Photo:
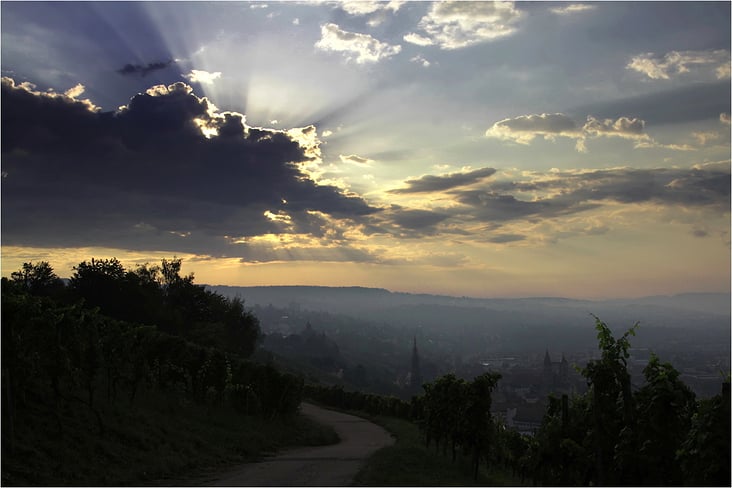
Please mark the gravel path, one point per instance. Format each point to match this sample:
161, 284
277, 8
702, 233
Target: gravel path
333, 465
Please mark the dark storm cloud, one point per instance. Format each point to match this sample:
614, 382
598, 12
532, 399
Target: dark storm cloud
573, 192
138, 69
429, 183
146, 178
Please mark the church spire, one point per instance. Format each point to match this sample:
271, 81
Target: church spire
416, 374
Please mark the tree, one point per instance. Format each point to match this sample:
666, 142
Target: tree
705, 453
478, 436
100, 283
665, 407
612, 404
38, 279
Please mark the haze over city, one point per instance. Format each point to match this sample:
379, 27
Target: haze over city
457, 148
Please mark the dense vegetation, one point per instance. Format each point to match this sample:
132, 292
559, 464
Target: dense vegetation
655, 435
84, 365
115, 340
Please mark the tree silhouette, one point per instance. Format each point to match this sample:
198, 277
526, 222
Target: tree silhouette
38, 279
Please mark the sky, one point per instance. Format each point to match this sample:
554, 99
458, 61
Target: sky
460, 148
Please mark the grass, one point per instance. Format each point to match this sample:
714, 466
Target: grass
409, 463
156, 442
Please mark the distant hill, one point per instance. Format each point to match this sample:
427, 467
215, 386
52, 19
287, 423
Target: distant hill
359, 299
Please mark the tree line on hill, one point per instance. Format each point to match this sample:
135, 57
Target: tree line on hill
111, 333
656, 435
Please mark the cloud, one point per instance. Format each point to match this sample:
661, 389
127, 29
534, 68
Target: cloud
623, 127
416, 219
723, 71
572, 9
75, 91
413, 38
506, 238
420, 60
679, 63
504, 209
525, 128
201, 76
377, 11
724, 118
138, 69
167, 171
431, 183
365, 7
362, 48
569, 192
702, 138
70, 96
352, 158
455, 25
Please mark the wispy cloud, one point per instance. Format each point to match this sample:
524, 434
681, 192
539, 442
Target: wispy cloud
353, 158
678, 63
525, 128
362, 48
432, 183
143, 70
572, 8
419, 59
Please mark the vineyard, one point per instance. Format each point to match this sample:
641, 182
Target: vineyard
75, 349
113, 339
657, 435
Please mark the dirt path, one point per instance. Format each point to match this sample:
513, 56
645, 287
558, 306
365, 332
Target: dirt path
333, 465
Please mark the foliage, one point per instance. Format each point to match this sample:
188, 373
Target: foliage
75, 352
665, 407
705, 453
159, 295
38, 279
335, 396
658, 435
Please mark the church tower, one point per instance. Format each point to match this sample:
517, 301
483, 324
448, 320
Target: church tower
416, 374
548, 373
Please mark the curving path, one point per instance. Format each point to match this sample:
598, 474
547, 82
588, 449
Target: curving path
333, 465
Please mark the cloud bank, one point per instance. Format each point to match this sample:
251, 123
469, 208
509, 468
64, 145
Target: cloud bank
166, 171
525, 128
489, 205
